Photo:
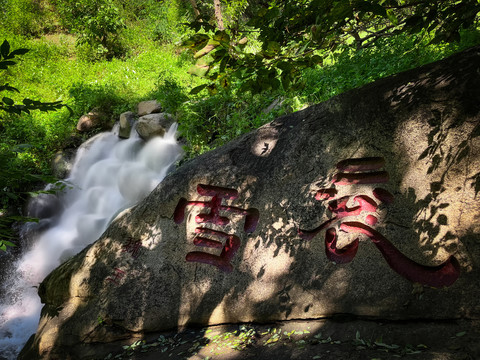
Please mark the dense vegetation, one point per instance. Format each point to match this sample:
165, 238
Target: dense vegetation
114, 53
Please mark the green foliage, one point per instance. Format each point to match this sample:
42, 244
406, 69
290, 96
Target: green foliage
346, 70
12, 176
243, 76
170, 92
98, 25
26, 17
169, 17
213, 121
89, 96
7, 104
295, 35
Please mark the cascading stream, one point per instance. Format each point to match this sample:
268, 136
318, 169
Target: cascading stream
108, 176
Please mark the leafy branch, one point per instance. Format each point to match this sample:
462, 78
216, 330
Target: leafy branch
7, 57
10, 175
295, 35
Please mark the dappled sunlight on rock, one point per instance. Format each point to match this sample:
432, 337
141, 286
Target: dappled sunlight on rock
265, 141
363, 205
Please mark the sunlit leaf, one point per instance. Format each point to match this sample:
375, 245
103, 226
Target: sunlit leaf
199, 70
222, 37
391, 16
211, 45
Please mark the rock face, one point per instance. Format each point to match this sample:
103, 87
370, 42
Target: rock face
357, 205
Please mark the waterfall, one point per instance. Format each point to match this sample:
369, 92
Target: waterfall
108, 176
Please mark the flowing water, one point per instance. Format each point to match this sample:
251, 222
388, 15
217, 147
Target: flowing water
108, 176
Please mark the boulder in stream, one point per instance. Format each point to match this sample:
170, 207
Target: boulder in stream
149, 126
127, 119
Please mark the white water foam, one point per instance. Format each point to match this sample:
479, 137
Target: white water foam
108, 176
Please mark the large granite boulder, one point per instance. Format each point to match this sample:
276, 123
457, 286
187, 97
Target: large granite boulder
366, 204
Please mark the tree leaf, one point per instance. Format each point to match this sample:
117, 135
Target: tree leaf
211, 45
19, 52
5, 49
197, 41
197, 89
4, 64
8, 243
201, 68
222, 37
8, 101
391, 16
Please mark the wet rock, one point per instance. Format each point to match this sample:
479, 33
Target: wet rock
62, 163
152, 125
127, 119
44, 206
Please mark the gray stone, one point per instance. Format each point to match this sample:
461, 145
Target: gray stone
95, 119
127, 119
152, 125
404, 151
44, 206
149, 107
62, 163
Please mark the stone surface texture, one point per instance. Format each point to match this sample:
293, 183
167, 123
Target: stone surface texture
148, 107
94, 119
149, 126
62, 162
126, 121
423, 123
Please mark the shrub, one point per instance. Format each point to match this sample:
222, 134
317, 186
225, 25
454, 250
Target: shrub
27, 17
98, 25
170, 17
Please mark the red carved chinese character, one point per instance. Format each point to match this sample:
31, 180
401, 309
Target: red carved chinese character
133, 247
116, 277
367, 171
222, 261
231, 242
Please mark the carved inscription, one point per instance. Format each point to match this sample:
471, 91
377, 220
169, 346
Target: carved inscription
228, 244
368, 171
116, 276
